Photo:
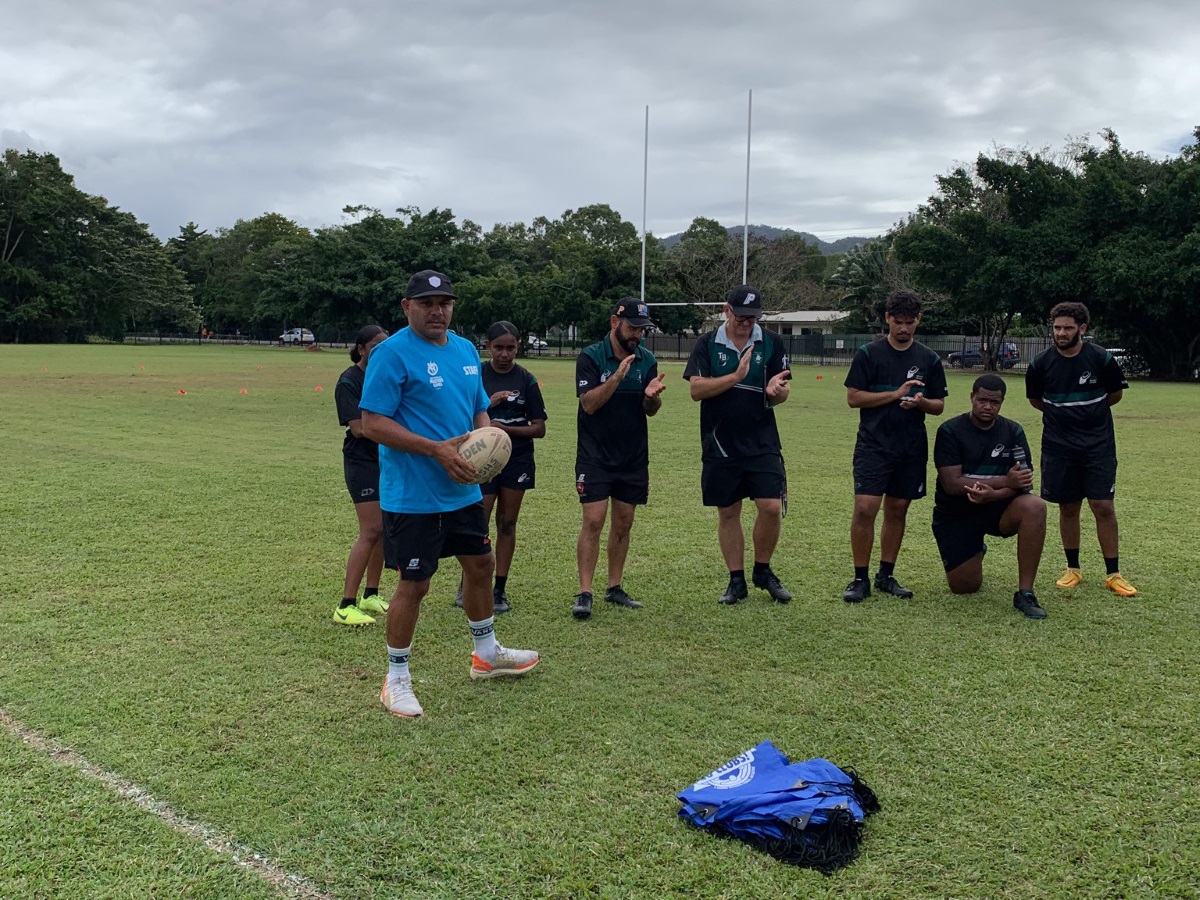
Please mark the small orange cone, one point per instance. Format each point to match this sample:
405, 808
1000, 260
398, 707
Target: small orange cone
319, 389
141, 368
310, 368
43, 368
243, 390
259, 368
819, 377
182, 392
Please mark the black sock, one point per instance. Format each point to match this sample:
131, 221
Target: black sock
1072, 557
1112, 564
737, 575
762, 570
370, 592
860, 573
501, 581
346, 601
886, 569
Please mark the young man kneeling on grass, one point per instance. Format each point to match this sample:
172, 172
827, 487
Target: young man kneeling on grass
984, 486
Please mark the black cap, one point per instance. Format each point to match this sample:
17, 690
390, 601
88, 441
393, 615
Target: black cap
428, 283
745, 300
633, 311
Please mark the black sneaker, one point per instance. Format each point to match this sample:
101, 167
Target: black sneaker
857, 591
618, 596
736, 591
770, 583
500, 602
1025, 602
887, 584
583, 606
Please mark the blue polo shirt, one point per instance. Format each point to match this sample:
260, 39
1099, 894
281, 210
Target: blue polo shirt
433, 391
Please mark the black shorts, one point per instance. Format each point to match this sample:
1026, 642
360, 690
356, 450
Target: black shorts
876, 475
959, 538
518, 475
593, 483
1070, 479
362, 479
723, 482
414, 542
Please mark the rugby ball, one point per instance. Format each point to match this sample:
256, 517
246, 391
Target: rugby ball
488, 450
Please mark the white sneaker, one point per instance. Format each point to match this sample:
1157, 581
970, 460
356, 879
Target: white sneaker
507, 662
398, 698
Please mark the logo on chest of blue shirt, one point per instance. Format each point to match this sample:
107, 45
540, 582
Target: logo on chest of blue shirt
435, 380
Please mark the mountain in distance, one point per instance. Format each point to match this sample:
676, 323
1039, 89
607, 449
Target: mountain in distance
771, 233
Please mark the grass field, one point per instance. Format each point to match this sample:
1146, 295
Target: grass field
169, 567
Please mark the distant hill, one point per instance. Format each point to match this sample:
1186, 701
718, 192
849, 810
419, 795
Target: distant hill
771, 233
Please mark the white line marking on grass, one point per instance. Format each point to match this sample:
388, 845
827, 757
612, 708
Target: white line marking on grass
292, 885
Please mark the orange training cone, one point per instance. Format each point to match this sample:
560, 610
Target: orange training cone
243, 390
319, 389
182, 392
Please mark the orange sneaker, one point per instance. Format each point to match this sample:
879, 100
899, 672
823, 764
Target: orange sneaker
507, 662
1119, 585
1071, 578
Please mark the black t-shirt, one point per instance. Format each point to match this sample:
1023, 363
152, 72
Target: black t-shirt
890, 430
525, 405
983, 453
347, 395
738, 423
1076, 418
615, 436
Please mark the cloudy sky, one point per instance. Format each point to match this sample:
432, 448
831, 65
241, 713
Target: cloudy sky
502, 111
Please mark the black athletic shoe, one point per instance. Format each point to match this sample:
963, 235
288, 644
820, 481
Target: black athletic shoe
1027, 604
736, 591
887, 584
500, 602
857, 591
771, 584
583, 606
618, 596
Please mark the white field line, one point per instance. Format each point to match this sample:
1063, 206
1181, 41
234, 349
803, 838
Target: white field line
291, 885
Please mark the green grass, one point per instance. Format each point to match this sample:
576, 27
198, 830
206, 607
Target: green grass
170, 563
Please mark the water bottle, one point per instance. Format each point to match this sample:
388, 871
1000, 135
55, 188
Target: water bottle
1020, 458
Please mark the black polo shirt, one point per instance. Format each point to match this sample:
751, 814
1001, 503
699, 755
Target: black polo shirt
523, 406
1076, 418
346, 397
615, 436
983, 453
889, 430
738, 423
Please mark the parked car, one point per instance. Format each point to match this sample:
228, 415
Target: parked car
297, 336
1130, 363
535, 343
973, 356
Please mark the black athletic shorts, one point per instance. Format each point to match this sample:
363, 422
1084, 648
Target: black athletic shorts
414, 542
362, 479
723, 482
876, 475
959, 538
518, 475
1070, 479
593, 483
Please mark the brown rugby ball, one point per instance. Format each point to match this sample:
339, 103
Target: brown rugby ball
488, 449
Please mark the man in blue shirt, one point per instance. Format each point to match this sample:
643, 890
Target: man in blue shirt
423, 394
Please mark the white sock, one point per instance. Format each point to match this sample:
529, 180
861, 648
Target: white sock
398, 663
484, 633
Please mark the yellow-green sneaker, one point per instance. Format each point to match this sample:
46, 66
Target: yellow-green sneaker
1071, 578
374, 604
351, 615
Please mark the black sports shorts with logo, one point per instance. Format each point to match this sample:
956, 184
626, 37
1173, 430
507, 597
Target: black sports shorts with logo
1070, 479
723, 482
362, 479
876, 475
960, 538
414, 542
593, 483
518, 475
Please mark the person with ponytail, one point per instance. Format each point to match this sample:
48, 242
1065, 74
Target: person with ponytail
360, 462
516, 407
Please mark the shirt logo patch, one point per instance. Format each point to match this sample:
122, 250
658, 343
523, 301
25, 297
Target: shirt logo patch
914, 372
583, 382
604, 377
997, 450
470, 370
1085, 378
722, 357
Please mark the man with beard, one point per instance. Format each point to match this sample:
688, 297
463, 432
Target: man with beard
1074, 385
983, 487
618, 385
893, 382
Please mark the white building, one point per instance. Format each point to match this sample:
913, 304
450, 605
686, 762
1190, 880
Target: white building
805, 321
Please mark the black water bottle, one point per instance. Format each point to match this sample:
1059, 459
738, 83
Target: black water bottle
1020, 458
